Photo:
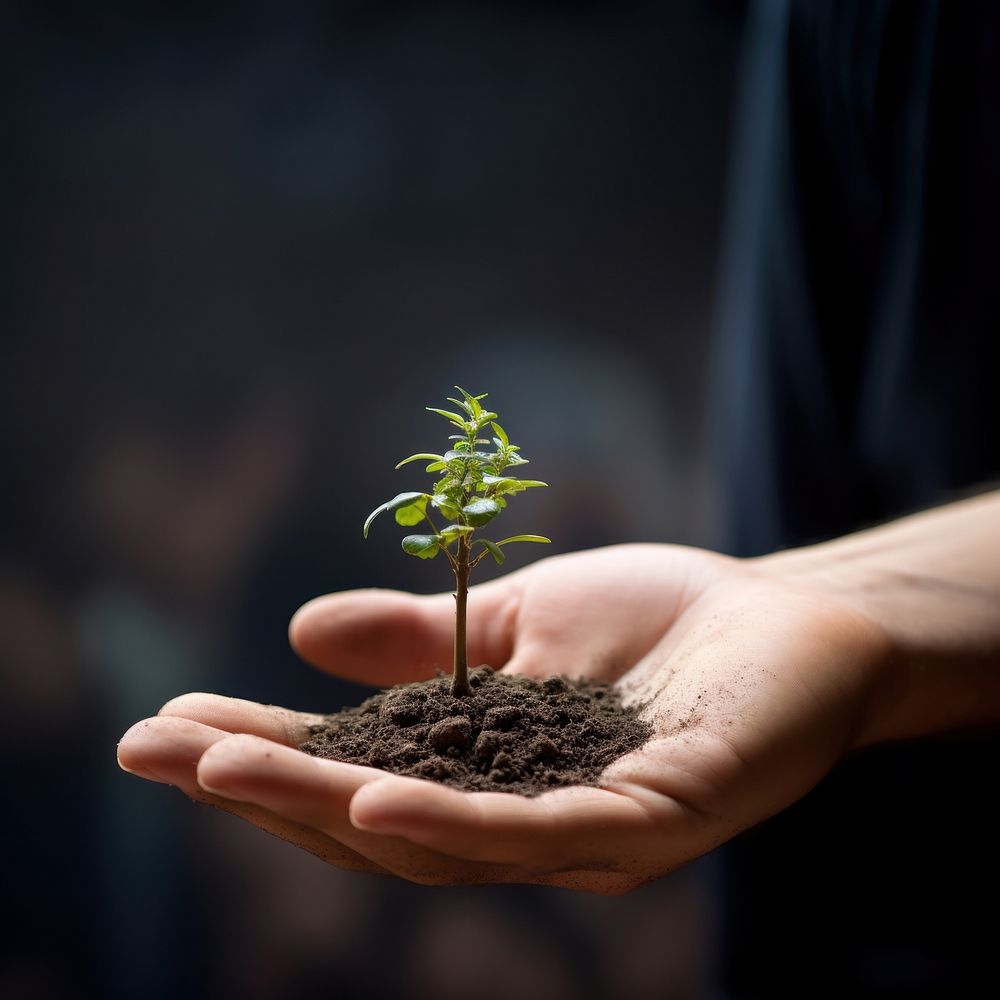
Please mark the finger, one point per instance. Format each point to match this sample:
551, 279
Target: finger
593, 829
234, 715
167, 750
564, 656
385, 637
317, 793
306, 789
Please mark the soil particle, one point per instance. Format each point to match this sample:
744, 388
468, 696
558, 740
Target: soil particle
450, 734
513, 734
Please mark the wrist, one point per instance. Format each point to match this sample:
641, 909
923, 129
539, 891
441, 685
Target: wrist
939, 668
850, 589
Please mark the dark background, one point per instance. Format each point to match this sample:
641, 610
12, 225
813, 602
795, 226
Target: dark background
245, 244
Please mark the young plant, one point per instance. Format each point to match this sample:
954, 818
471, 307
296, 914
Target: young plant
471, 492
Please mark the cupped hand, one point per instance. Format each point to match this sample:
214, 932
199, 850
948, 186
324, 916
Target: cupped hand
756, 683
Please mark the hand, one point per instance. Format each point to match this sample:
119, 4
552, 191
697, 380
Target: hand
756, 683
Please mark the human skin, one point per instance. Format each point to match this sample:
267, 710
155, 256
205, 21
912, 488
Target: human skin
758, 676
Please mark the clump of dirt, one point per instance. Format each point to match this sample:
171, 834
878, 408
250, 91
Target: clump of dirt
513, 734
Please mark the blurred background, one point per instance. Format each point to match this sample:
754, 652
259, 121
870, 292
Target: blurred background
247, 243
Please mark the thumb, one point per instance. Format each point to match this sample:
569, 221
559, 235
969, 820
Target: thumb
385, 637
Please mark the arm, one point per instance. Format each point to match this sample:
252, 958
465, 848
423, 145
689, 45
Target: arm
932, 583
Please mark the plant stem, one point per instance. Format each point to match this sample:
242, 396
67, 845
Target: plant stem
460, 671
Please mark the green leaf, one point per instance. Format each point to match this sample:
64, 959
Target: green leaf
465, 406
494, 549
453, 417
464, 456
400, 500
472, 401
448, 506
500, 433
481, 512
422, 546
412, 513
405, 500
416, 458
436, 466
498, 482
525, 538
453, 531
507, 484
448, 487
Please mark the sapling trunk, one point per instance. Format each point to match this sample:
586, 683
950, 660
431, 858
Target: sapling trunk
460, 671
471, 492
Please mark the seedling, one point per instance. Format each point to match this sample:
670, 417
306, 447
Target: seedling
472, 491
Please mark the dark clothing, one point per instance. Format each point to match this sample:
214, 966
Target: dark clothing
860, 307
857, 368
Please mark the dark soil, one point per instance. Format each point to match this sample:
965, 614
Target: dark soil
513, 734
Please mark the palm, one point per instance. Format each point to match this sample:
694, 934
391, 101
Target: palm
754, 688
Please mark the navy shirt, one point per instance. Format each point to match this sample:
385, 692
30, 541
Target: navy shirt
857, 379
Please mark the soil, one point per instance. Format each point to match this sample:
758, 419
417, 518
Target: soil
512, 734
